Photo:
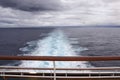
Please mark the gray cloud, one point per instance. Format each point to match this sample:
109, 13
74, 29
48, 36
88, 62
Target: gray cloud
72, 13
6, 22
31, 5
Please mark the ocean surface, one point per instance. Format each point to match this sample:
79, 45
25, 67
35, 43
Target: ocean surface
85, 41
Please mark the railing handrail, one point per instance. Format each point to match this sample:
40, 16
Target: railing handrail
54, 68
62, 58
31, 68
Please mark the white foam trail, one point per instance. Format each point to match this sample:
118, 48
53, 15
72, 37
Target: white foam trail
56, 44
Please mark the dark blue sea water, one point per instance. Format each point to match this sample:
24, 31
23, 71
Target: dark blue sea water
97, 41
12, 39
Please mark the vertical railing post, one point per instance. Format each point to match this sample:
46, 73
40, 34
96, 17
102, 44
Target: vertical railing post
54, 66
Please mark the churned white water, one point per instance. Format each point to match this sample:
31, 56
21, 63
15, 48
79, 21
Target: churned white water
55, 44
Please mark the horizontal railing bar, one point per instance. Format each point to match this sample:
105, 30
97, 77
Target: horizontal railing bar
57, 73
26, 68
29, 68
61, 58
60, 77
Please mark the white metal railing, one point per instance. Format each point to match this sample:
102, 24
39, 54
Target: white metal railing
101, 72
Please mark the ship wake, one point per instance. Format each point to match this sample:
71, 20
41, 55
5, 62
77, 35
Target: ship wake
55, 44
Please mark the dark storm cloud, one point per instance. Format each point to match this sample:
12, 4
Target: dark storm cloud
6, 22
31, 5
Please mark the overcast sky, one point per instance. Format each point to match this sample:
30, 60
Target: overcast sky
27, 13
